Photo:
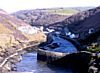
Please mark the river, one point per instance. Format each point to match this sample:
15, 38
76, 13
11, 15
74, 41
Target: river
29, 61
30, 64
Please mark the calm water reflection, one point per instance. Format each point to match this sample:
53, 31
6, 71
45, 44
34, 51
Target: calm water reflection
29, 63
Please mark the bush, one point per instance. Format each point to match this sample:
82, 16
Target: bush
97, 49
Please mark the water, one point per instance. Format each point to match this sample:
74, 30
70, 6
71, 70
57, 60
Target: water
29, 63
65, 46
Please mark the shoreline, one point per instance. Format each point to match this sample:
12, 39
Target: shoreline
12, 56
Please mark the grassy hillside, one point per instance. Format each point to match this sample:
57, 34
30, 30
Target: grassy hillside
47, 16
10, 34
44, 16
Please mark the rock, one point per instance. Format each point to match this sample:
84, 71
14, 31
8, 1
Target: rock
93, 69
1, 59
7, 66
10, 50
15, 59
13, 68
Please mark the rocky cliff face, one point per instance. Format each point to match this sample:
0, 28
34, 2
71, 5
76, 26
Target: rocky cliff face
85, 23
82, 22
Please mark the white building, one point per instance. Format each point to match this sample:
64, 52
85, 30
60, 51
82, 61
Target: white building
28, 29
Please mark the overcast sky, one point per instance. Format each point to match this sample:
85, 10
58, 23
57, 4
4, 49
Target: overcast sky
15, 5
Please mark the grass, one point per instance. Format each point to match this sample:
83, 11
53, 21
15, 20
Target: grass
39, 37
3, 29
63, 11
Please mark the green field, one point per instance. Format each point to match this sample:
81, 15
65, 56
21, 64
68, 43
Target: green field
62, 11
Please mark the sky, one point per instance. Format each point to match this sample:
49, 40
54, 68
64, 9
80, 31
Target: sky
16, 5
